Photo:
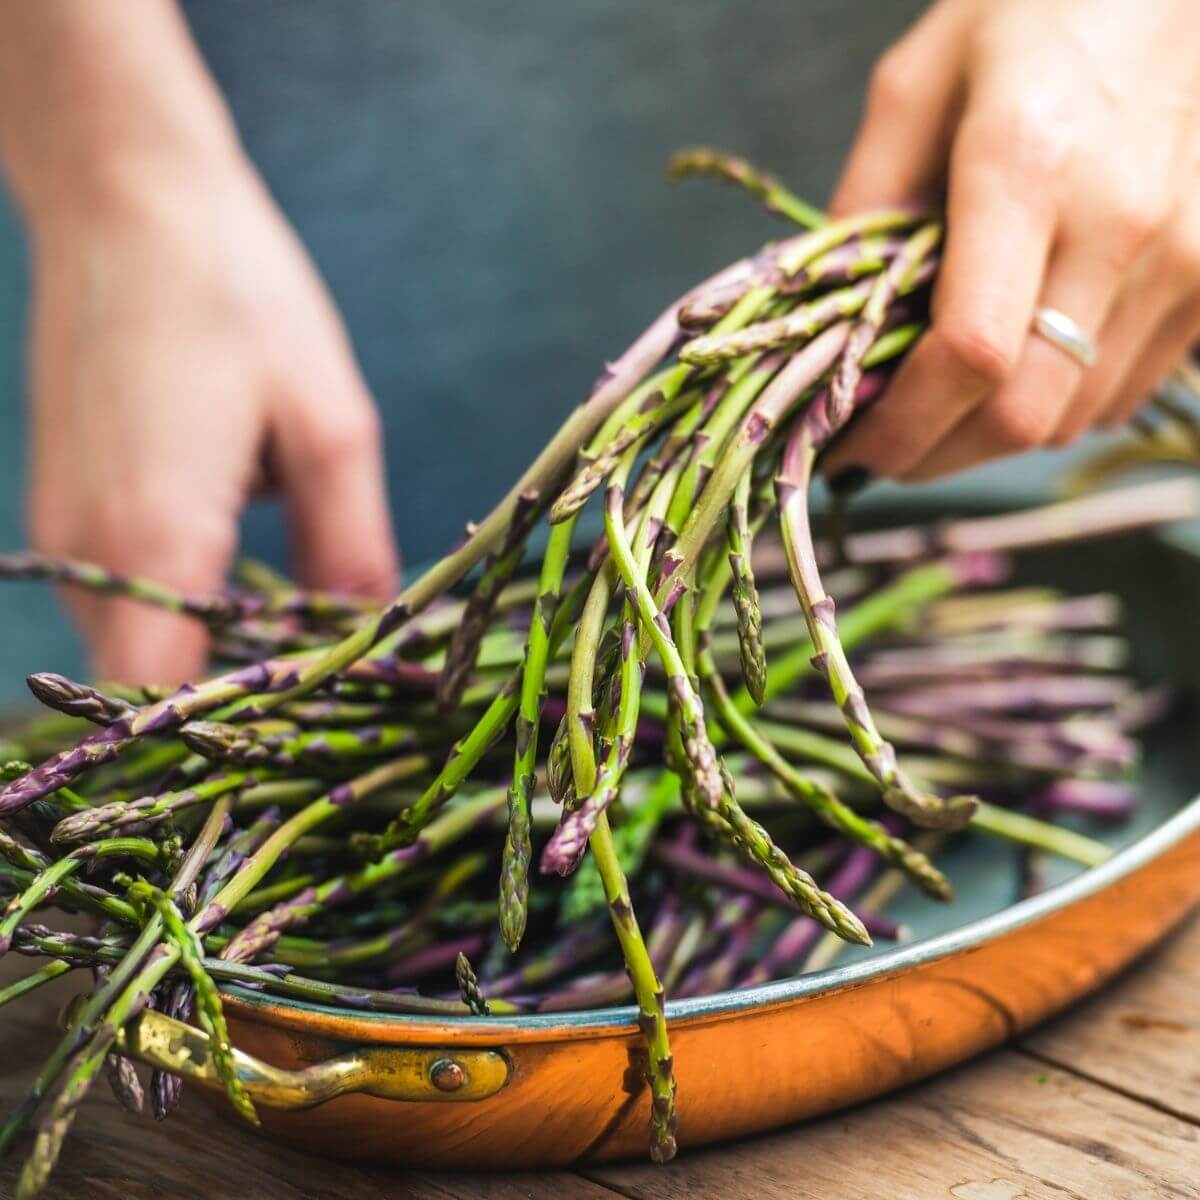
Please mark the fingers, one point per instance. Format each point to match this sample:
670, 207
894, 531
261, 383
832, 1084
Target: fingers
1024, 412
999, 230
1151, 326
1172, 342
1136, 316
899, 152
330, 463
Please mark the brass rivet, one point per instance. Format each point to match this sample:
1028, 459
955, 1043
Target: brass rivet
446, 1075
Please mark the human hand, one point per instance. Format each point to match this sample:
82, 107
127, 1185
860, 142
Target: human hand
1065, 135
185, 355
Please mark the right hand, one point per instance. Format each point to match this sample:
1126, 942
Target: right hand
1066, 136
185, 354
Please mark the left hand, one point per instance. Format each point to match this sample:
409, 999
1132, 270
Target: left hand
1066, 136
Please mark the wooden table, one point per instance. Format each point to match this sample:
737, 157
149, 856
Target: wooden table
1103, 1104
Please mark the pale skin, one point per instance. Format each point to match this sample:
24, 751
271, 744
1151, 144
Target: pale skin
1064, 136
185, 353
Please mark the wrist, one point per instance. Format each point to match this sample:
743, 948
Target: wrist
129, 189
101, 105
92, 178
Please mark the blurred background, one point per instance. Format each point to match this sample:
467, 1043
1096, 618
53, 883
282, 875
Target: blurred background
482, 187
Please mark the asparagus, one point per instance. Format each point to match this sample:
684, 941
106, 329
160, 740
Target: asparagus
514, 872
47, 973
214, 609
905, 271
745, 595
463, 649
165, 1088
878, 755
208, 1000
327, 827
776, 197
819, 799
265, 929
81, 1053
797, 938
146, 813
284, 747
566, 847
468, 987
77, 699
652, 1017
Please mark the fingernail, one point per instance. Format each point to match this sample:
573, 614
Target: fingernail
850, 480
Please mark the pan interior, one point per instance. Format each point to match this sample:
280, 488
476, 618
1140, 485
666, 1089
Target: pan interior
1157, 578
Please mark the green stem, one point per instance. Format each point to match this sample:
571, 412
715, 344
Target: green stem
1040, 835
647, 989
514, 869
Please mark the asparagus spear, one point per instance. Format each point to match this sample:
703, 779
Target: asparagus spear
77, 699
652, 1019
745, 594
208, 1000
514, 870
768, 189
502, 563
469, 989
878, 755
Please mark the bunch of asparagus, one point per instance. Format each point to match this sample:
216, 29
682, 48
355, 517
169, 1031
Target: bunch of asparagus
318, 820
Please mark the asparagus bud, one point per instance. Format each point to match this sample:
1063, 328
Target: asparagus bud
77, 699
468, 987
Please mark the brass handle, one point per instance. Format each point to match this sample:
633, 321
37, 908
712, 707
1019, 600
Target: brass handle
390, 1072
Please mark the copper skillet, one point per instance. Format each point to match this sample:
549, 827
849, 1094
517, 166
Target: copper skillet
550, 1090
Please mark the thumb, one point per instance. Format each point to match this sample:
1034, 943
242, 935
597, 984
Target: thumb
900, 149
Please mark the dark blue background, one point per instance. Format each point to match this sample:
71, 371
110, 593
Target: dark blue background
482, 186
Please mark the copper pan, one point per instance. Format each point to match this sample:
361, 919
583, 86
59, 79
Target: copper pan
551, 1090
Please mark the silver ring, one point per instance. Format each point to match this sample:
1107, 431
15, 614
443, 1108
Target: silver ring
1059, 330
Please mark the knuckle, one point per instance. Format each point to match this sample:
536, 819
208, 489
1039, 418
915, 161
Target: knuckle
345, 434
978, 349
1184, 253
1133, 220
361, 573
1027, 137
892, 81
1091, 399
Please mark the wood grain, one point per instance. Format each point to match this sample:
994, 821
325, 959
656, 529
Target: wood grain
1010, 1127
1141, 1037
1003, 1129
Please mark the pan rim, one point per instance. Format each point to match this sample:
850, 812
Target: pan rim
922, 952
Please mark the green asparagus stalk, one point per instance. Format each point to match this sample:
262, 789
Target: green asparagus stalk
463, 649
745, 594
775, 195
208, 999
514, 868
652, 1017
82, 1051
30, 983
146, 813
897, 789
